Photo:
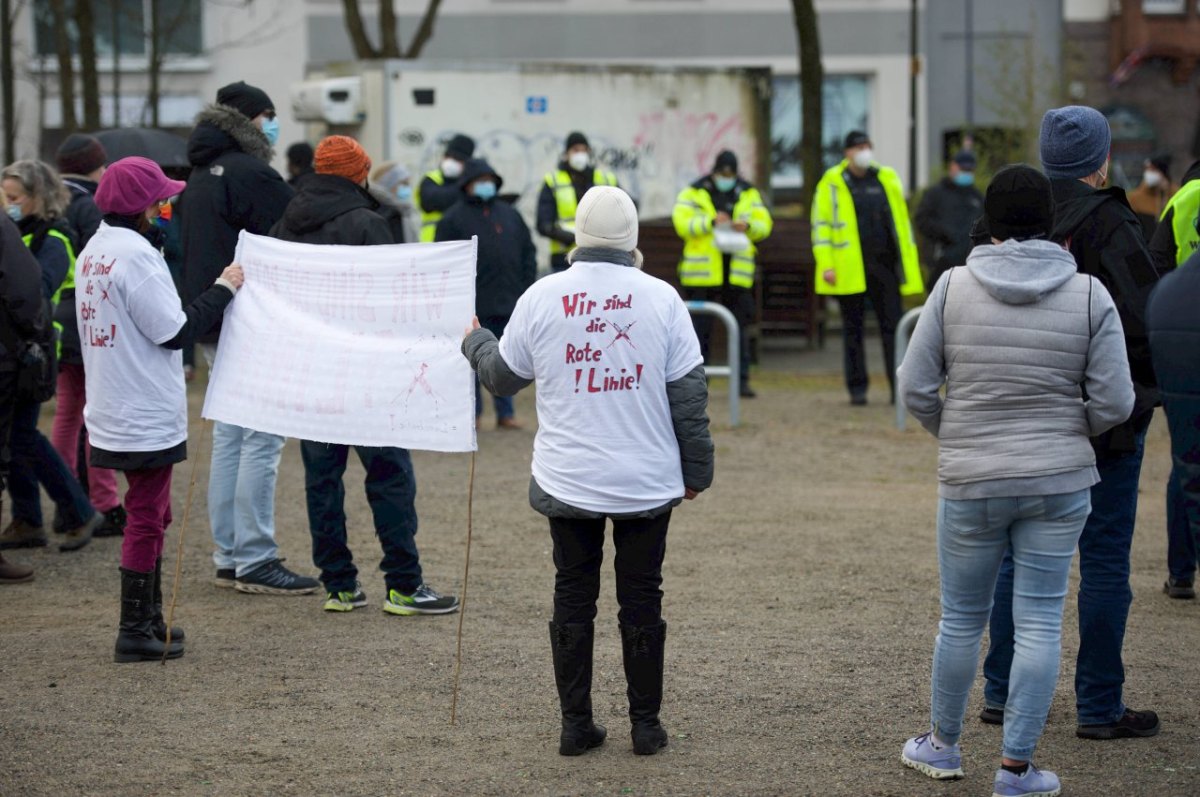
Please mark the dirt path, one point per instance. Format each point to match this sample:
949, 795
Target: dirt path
801, 593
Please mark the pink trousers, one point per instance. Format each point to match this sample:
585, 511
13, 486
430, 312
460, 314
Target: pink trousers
70, 397
148, 506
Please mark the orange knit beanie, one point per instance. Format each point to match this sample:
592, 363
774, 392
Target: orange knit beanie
343, 156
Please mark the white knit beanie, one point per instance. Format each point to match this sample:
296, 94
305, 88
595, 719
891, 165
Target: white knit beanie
606, 218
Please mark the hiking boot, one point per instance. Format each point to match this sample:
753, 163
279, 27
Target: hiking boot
940, 764
992, 716
1181, 588
642, 649
273, 578
424, 600
747, 392
80, 536
1131, 724
13, 573
226, 577
345, 601
114, 523
157, 623
135, 635
858, 399
508, 423
21, 534
1033, 782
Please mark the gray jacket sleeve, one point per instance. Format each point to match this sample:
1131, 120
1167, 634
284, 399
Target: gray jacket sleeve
1109, 387
923, 371
482, 350
688, 398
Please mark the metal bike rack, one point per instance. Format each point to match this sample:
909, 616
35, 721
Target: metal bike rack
904, 331
731, 370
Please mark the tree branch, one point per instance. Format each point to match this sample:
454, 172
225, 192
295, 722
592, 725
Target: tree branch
389, 45
424, 31
358, 33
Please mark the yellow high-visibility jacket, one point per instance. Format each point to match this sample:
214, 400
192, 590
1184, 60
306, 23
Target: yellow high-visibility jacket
566, 202
1185, 220
835, 242
429, 220
68, 283
694, 216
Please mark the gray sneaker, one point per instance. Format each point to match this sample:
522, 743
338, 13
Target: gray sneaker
273, 578
80, 536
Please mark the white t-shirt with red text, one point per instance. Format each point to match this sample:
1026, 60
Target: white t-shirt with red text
601, 342
127, 305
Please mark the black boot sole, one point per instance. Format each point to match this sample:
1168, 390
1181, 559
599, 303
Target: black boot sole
127, 658
574, 745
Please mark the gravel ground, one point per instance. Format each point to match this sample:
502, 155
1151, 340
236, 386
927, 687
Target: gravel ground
801, 593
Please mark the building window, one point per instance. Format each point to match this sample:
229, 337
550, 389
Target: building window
845, 107
124, 27
1163, 6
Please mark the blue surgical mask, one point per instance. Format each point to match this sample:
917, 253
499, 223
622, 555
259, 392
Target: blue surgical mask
270, 129
724, 184
404, 192
964, 178
14, 212
484, 191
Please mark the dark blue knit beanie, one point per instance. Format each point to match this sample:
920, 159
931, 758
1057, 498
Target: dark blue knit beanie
1074, 142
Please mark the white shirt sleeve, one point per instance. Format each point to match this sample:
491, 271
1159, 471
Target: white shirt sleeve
154, 305
515, 346
683, 348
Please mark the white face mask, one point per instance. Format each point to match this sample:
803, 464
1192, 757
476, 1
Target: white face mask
452, 168
1152, 178
862, 158
578, 160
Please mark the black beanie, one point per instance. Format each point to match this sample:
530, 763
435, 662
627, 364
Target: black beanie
576, 138
80, 154
461, 147
300, 155
725, 160
249, 100
1019, 204
855, 138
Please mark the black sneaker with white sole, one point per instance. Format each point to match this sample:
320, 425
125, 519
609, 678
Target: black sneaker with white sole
273, 578
226, 577
1131, 724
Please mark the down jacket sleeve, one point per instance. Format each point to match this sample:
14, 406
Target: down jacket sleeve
482, 350
1109, 387
688, 399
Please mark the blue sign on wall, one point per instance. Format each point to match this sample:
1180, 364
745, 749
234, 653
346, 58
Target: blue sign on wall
535, 104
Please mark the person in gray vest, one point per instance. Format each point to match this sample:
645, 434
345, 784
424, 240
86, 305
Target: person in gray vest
1032, 357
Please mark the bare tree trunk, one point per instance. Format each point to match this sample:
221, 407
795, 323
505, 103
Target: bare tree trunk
156, 60
389, 45
424, 30
66, 69
86, 23
812, 76
358, 33
116, 63
8, 81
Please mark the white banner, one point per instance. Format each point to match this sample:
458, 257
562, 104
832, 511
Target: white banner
350, 344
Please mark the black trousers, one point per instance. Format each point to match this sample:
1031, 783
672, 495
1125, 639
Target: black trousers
578, 553
740, 302
884, 292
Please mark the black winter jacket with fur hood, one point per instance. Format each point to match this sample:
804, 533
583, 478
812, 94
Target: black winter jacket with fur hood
232, 188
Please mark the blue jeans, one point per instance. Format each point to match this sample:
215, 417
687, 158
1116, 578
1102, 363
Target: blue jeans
34, 461
1104, 597
241, 496
1183, 523
391, 492
973, 535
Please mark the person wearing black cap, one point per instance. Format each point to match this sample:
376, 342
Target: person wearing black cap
232, 188
1150, 198
439, 188
863, 245
1030, 354
1097, 227
560, 195
721, 217
507, 260
81, 159
946, 214
299, 162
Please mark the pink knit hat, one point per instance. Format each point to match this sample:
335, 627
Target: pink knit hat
131, 185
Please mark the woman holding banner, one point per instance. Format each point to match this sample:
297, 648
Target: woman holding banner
132, 328
622, 435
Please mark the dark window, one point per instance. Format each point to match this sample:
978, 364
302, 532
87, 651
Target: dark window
124, 26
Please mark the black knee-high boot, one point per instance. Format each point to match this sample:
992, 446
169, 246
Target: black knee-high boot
135, 636
643, 647
160, 625
572, 647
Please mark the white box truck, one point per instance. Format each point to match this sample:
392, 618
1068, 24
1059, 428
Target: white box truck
658, 129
